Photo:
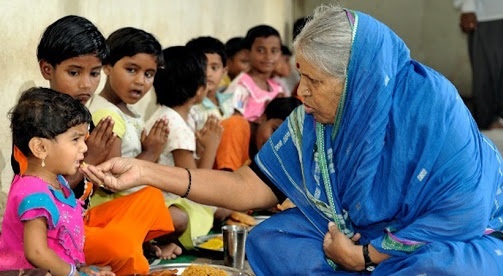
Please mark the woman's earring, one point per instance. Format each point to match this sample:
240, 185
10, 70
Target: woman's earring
43, 162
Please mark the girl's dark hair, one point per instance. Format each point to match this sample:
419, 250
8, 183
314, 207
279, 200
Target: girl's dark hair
280, 108
128, 41
208, 45
183, 74
259, 31
68, 37
234, 45
45, 113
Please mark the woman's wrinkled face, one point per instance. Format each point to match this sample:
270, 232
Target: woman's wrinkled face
321, 92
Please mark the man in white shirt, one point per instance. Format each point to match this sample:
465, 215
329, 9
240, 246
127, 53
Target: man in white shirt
482, 20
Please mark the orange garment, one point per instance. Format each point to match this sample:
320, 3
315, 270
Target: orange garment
21, 160
116, 230
233, 150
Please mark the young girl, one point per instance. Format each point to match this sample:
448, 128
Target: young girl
179, 86
253, 90
43, 224
134, 59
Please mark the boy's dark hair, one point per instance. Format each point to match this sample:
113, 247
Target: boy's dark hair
45, 113
298, 25
259, 31
280, 108
68, 37
183, 74
208, 45
234, 45
129, 41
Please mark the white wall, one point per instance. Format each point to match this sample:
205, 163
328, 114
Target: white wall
429, 27
173, 22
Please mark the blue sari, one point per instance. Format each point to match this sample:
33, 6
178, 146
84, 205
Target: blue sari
403, 164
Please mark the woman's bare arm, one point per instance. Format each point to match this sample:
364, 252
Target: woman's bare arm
238, 190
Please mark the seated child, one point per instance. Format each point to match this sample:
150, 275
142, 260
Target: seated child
220, 105
275, 113
214, 103
238, 59
254, 89
70, 55
180, 85
75, 69
135, 57
43, 226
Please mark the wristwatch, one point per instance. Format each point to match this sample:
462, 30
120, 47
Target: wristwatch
369, 265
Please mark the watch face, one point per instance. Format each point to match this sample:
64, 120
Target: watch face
370, 268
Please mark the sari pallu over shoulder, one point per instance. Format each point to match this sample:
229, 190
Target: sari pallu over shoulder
407, 168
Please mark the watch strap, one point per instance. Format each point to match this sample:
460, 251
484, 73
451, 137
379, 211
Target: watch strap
369, 265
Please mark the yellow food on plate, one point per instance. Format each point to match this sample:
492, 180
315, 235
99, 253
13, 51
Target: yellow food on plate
206, 270
83, 164
215, 243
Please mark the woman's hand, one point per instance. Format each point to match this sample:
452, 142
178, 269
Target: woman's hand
97, 270
342, 250
117, 173
100, 141
153, 143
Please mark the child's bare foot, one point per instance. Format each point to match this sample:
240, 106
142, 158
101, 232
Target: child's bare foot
168, 251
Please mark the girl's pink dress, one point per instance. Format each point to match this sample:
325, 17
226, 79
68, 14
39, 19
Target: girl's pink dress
30, 198
249, 99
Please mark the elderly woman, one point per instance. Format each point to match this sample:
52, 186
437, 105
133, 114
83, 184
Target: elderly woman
383, 148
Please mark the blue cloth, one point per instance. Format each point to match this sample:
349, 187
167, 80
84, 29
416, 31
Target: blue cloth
406, 168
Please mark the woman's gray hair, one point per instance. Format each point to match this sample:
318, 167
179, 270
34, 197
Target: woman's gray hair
325, 40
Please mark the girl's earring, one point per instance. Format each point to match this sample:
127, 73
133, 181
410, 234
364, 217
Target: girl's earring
43, 162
